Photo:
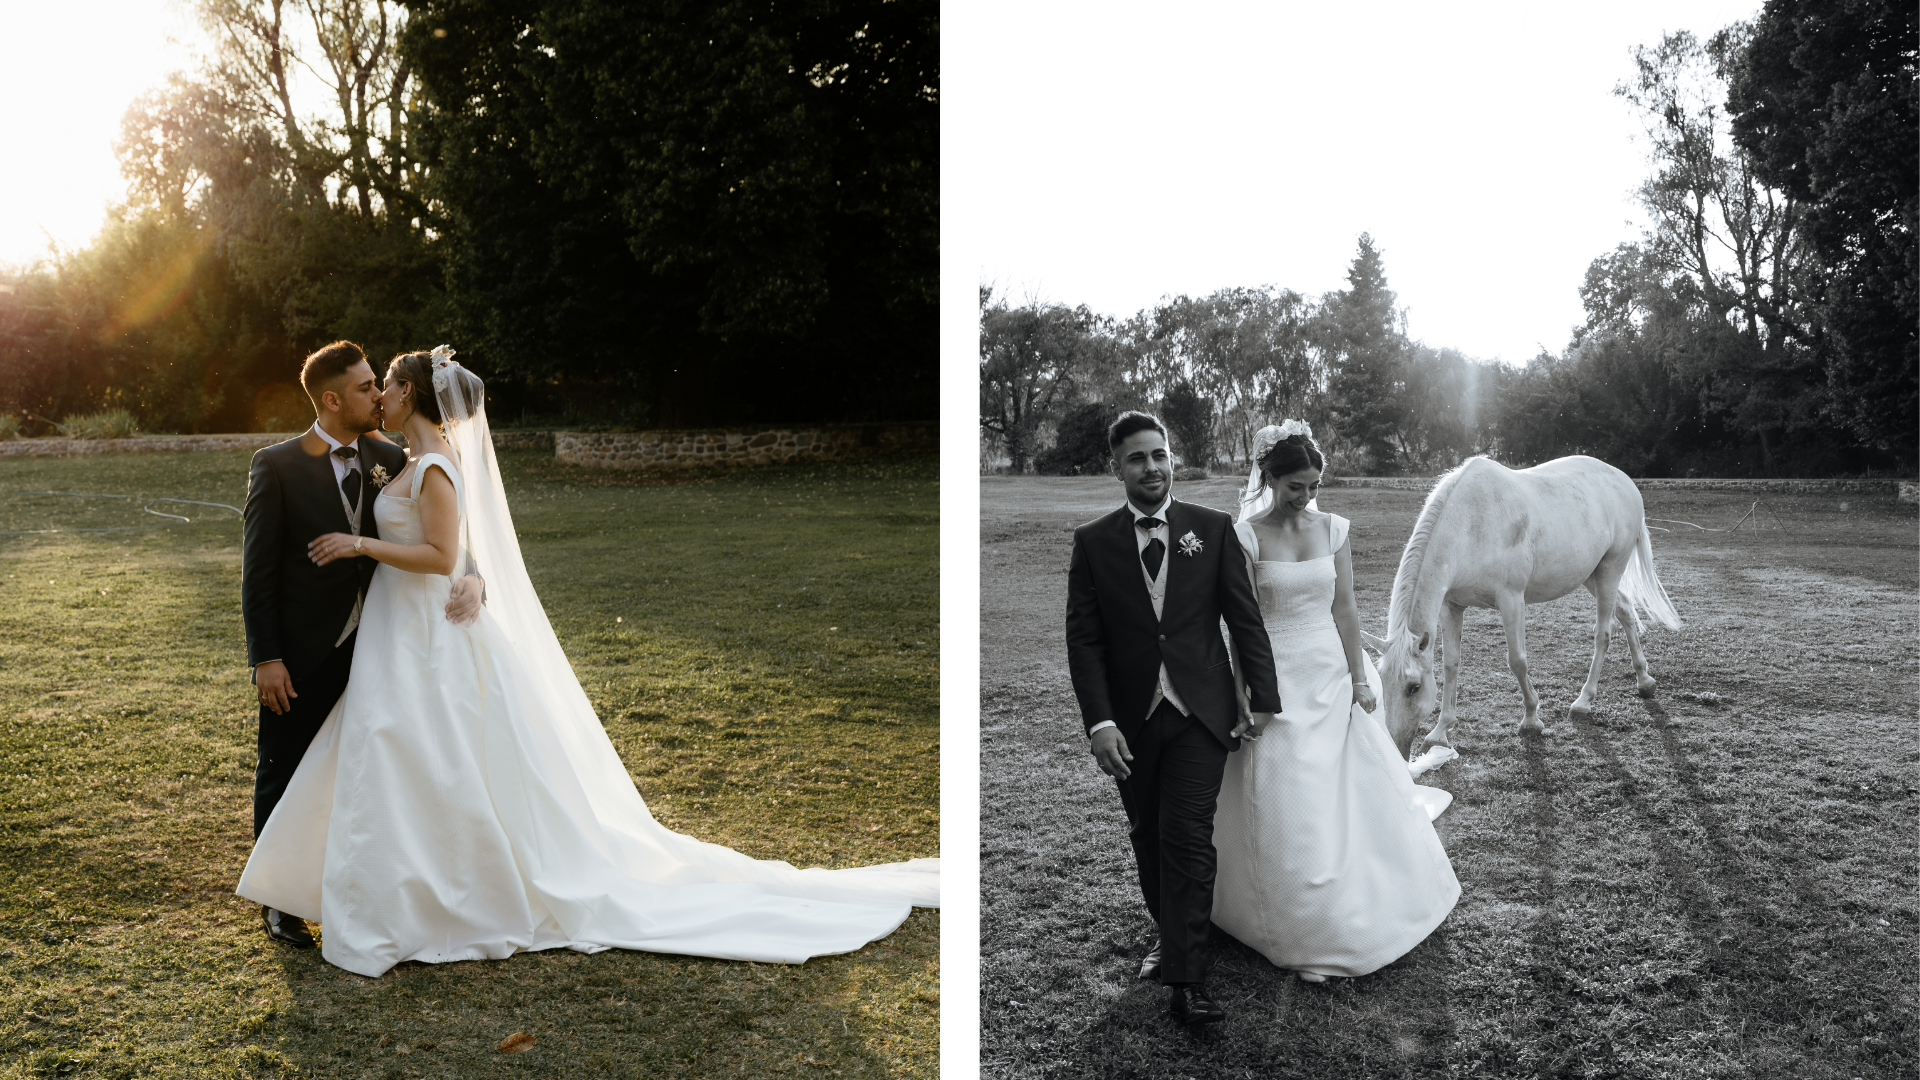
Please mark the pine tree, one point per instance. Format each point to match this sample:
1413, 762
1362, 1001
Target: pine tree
1366, 347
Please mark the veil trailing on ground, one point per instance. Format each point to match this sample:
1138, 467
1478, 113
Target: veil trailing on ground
574, 753
1256, 499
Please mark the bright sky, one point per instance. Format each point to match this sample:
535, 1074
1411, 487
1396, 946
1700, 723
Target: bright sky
68, 70
1111, 154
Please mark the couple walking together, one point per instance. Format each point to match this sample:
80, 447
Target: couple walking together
1261, 794
433, 783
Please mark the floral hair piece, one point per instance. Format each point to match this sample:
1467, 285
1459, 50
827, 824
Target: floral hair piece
1270, 436
442, 360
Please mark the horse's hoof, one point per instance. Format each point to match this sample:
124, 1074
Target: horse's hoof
1580, 712
1532, 727
1646, 688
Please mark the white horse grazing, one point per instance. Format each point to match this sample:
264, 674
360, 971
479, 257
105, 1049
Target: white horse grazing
1494, 538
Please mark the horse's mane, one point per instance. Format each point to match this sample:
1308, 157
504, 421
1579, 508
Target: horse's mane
1406, 582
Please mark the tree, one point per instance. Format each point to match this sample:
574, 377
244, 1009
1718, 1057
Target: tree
1189, 419
1824, 102
1733, 238
732, 206
1364, 338
1080, 441
1452, 415
1029, 356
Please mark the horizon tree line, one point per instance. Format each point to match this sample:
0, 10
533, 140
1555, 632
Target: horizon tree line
644, 213
1765, 323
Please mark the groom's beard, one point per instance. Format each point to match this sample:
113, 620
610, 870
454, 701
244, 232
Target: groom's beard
363, 424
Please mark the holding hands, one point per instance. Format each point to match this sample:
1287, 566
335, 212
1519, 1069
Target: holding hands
1250, 725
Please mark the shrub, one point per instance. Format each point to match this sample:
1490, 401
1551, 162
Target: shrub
1190, 472
9, 426
1080, 444
111, 424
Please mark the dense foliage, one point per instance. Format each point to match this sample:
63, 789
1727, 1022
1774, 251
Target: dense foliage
1765, 324
729, 206
629, 213
1824, 104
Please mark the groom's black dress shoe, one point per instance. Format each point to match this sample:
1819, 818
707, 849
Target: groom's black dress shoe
1191, 1006
286, 928
1150, 967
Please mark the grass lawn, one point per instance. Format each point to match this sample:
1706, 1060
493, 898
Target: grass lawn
762, 647
1676, 888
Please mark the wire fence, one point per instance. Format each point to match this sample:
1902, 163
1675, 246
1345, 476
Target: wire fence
146, 504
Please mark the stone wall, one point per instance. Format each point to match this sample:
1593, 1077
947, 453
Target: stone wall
139, 444
163, 444
720, 448
1904, 490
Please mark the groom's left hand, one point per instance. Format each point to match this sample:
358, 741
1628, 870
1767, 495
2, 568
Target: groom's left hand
463, 604
1250, 725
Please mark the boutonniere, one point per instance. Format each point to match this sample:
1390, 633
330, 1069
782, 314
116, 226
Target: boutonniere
1190, 544
379, 476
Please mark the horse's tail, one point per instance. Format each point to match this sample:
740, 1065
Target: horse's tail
1640, 587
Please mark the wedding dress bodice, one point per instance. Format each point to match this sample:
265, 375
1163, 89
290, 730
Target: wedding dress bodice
1293, 596
398, 514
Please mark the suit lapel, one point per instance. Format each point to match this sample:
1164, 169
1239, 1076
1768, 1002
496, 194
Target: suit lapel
1126, 555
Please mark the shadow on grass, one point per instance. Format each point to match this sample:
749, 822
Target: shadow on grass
609, 1014
1728, 902
1394, 1022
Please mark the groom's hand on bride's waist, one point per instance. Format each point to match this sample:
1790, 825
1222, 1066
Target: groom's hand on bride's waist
275, 687
1110, 751
463, 604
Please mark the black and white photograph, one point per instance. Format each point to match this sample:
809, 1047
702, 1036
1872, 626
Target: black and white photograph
1448, 539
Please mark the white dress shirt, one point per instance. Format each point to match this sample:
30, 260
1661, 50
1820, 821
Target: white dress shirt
1157, 591
340, 466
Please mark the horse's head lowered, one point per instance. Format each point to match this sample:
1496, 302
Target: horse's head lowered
1407, 687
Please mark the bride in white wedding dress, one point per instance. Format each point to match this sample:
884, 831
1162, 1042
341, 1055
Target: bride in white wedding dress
462, 800
1328, 861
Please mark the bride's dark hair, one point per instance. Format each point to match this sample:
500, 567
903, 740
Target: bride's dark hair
416, 370
1290, 455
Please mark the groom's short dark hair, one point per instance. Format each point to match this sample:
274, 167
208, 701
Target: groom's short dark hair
326, 366
1129, 423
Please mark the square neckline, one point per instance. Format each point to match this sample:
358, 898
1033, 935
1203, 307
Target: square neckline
413, 468
1292, 562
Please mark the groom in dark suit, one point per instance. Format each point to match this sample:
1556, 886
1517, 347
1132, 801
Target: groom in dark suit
1147, 590
302, 619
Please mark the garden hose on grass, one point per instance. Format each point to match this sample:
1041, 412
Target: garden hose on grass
146, 504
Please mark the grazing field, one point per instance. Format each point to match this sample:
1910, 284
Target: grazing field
1677, 888
762, 647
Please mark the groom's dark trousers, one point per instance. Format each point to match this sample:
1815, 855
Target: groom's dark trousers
294, 611
1116, 648
283, 737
